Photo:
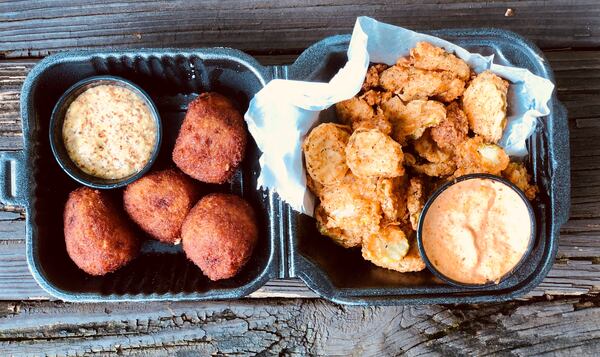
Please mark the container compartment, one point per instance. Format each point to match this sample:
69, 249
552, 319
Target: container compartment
342, 275
161, 271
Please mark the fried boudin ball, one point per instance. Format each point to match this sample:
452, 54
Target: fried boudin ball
159, 202
485, 104
98, 238
212, 139
219, 235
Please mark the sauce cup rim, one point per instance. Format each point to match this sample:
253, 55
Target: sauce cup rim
56, 141
439, 191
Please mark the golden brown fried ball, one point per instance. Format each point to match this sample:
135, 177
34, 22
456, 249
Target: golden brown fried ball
98, 238
212, 139
159, 202
219, 235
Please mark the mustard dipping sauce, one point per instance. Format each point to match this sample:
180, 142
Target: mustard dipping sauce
476, 231
109, 132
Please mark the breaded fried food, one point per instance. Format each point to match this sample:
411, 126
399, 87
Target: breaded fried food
484, 103
391, 194
411, 120
415, 200
429, 150
329, 228
412, 261
354, 110
386, 248
516, 173
371, 153
476, 156
212, 139
433, 58
351, 207
452, 130
314, 186
379, 122
325, 153
413, 83
98, 238
372, 77
435, 169
219, 235
159, 202
358, 113
374, 97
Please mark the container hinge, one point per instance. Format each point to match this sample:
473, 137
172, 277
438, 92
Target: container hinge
281, 211
280, 72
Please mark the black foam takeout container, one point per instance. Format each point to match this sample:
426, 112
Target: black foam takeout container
289, 243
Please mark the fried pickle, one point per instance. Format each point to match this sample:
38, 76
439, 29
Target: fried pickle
517, 173
386, 248
476, 156
429, 150
452, 130
411, 120
371, 153
415, 200
372, 77
391, 194
413, 83
433, 58
352, 208
484, 103
353, 110
325, 153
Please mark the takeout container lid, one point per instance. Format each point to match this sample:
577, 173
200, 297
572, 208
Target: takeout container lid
291, 246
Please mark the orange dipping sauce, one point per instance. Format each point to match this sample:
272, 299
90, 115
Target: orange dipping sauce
476, 231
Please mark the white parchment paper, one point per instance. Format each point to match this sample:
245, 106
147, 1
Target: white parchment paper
282, 113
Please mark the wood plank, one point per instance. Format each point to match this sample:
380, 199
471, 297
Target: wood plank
300, 327
567, 277
35, 29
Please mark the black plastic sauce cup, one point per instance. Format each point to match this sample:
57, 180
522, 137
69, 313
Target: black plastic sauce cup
443, 188
56, 138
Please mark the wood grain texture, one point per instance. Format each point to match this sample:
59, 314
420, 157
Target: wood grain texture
576, 273
37, 28
300, 327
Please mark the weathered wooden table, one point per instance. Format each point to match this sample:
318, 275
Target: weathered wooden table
561, 316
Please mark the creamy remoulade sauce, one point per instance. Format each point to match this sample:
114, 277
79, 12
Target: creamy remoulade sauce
476, 231
109, 132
